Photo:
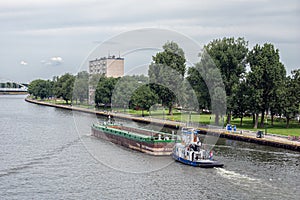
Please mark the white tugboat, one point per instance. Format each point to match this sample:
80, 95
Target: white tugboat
189, 151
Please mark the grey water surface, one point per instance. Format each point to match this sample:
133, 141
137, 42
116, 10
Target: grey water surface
48, 153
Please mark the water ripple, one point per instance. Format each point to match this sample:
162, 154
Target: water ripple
38, 160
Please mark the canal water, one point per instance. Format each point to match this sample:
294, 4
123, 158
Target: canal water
48, 153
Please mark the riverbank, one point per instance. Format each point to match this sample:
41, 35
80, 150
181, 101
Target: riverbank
167, 123
12, 93
247, 136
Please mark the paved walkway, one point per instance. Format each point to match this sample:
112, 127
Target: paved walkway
252, 134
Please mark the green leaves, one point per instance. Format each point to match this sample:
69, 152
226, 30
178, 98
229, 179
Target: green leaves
166, 73
125, 88
104, 90
266, 77
229, 55
63, 87
292, 96
81, 86
40, 88
143, 98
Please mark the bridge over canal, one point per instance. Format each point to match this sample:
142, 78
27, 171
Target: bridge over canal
11, 87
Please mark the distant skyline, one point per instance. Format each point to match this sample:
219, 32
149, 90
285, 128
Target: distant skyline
42, 39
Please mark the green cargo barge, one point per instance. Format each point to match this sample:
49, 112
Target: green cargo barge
146, 141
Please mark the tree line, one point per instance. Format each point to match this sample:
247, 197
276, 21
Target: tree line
61, 87
255, 83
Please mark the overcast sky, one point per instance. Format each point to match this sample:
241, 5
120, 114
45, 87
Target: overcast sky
43, 38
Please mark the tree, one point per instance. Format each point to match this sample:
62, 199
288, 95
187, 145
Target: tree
229, 55
199, 86
206, 81
63, 87
104, 90
125, 88
292, 96
49, 88
166, 73
94, 80
81, 86
266, 76
143, 98
33, 88
277, 102
41, 88
241, 97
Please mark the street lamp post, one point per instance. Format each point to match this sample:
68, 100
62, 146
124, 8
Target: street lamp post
190, 118
266, 125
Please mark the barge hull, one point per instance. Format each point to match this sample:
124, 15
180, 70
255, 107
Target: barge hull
151, 148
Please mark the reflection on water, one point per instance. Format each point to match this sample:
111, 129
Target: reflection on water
48, 153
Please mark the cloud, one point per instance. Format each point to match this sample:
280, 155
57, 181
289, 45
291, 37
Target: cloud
23, 63
53, 61
34, 24
56, 60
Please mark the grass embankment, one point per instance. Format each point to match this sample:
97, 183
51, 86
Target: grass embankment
279, 126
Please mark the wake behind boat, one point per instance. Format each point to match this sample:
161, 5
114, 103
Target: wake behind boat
189, 151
